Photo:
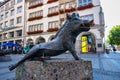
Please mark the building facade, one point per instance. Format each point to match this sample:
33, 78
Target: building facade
45, 17
12, 21
41, 19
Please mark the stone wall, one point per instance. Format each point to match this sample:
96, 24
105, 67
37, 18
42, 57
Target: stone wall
55, 70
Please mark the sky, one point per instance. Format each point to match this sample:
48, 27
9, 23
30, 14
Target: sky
111, 14
1, 0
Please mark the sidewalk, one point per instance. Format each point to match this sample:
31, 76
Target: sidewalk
105, 66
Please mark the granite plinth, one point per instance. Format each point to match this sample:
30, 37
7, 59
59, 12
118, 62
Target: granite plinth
5, 58
55, 70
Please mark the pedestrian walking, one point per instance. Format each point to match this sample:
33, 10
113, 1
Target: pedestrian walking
113, 48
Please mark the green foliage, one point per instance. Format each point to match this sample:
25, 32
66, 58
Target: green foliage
114, 36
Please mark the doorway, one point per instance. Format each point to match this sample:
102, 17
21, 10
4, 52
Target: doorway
88, 44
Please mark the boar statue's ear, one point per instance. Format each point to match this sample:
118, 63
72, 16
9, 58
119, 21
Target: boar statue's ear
68, 16
91, 23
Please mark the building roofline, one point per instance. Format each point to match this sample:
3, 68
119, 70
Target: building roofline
4, 2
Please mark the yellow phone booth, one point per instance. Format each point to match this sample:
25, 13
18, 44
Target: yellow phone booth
84, 44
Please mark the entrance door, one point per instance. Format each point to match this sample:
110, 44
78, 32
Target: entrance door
88, 44
84, 44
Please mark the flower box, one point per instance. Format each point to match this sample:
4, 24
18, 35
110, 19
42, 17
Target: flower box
50, 1
52, 14
35, 32
34, 6
89, 5
70, 10
61, 11
53, 29
81, 8
35, 18
85, 7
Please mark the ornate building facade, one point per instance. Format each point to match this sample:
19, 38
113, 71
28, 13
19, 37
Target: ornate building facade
43, 18
12, 21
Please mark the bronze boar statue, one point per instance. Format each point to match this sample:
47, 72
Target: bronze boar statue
64, 40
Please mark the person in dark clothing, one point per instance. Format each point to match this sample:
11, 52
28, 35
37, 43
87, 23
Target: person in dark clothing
31, 45
113, 48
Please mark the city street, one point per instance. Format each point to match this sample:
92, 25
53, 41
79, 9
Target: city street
105, 66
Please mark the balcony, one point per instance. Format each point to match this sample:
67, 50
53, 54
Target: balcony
35, 18
52, 29
50, 1
34, 32
34, 6
53, 14
85, 7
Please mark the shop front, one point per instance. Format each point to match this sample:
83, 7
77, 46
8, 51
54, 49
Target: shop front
88, 44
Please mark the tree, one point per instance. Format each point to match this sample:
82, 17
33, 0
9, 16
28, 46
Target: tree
114, 36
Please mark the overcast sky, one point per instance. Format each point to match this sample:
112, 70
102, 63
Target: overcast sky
111, 12
1, 0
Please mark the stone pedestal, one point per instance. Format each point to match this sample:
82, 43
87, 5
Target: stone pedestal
55, 70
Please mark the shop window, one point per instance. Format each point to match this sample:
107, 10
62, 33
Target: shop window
99, 45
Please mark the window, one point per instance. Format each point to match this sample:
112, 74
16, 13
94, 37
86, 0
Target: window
80, 3
2, 9
36, 14
19, 20
18, 1
39, 26
19, 9
1, 25
19, 33
2, 17
12, 12
39, 13
88, 17
12, 22
11, 34
99, 45
12, 3
89, 1
7, 6
53, 9
62, 6
84, 2
35, 2
31, 28
6, 14
70, 5
53, 24
36, 27
5, 35
6, 23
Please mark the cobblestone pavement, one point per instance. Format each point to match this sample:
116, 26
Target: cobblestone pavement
105, 66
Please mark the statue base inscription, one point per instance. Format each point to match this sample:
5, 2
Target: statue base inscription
55, 70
